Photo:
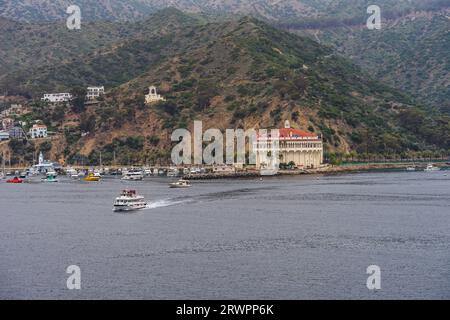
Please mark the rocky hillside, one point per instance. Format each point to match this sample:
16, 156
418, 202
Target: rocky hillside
272, 10
411, 52
241, 73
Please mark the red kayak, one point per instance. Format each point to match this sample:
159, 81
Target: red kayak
14, 180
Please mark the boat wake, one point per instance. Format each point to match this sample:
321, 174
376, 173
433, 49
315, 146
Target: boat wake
162, 204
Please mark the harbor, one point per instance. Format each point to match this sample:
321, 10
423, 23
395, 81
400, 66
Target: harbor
229, 238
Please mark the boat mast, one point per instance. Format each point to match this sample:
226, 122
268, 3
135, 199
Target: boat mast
3, 161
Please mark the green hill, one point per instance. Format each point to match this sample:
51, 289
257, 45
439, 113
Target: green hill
239, 73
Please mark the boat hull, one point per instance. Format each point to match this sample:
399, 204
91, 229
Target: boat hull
174, 186
124, 208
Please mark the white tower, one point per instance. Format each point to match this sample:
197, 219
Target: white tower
153, 96
287, 124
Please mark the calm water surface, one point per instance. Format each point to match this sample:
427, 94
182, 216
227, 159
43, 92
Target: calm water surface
308, 237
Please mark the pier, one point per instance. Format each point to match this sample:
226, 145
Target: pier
214, 176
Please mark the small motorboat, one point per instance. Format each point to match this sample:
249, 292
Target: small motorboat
50, 178
92, 178
431, 168
411, 169
14, 180
180, 184
129, 200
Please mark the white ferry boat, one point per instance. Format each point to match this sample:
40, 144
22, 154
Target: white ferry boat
129, 201
180, 184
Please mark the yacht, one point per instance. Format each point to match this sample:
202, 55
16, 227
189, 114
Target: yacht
173, 172
147, 172
180, 184
133, 175
71, 172
129, 201
430, 168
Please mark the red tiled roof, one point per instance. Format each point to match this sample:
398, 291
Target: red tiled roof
295, 133
291, 134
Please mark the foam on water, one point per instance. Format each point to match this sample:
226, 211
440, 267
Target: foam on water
163, 203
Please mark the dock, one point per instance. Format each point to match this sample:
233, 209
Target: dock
214, 176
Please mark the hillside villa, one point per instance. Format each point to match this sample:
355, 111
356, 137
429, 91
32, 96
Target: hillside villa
57, 97
38, 131
95, 92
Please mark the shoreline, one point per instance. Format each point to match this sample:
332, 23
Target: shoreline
324, 170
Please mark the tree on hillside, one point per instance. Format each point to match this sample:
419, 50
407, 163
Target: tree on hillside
78, 100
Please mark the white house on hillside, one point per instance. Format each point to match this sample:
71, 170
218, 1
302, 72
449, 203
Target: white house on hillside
95, 92
57, 97
38, 131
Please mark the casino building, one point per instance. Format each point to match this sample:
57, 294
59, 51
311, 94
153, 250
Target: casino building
303, 148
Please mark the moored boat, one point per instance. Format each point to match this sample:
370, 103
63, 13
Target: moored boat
133, 175
92, 178
431, 168
50, 178
14, 180
129, 200
173, 172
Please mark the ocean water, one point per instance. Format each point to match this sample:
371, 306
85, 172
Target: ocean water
306, 237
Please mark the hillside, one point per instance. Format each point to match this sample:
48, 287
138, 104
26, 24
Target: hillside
270, 76
410, 52
239, 73
411, 27
31, 52
293, 11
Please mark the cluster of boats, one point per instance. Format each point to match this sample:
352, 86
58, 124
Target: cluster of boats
430, 168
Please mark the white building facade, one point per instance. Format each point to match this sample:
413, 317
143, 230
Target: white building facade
38, 131
95, 92
4, 135
57, 97
303, 148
